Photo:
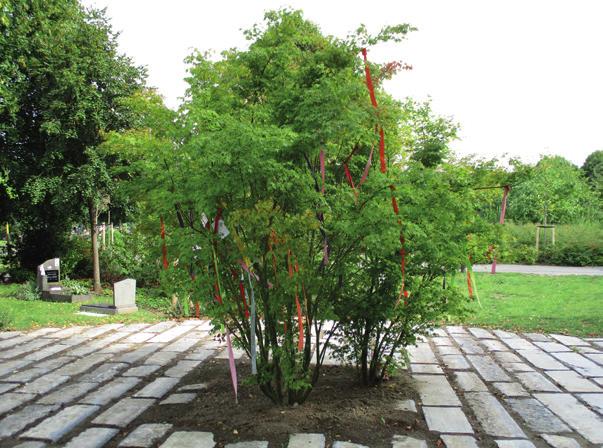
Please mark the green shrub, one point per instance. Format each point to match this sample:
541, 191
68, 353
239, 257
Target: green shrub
77, 287
6, 319
28, 291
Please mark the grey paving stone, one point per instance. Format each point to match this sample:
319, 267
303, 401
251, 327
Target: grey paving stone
596, 357
11, 400
31, 444
447, 420
306, 440
5, 387
505, 334
25, 376
140, 353
182, 368
455, 329
536, 382
519, 344
580, 364
189, 439
83, 364
14, 423
146, 435
517, 367
426, 368
8, 367
406, 406
551, 347
123, 412
22, 349
160, 327
133, 328
92, 438
179, 398
59, 425
452, 441
542, 360
488, 369
137, 338
572, 382
422, 354
435, 390
104, 372
448, 350
507, 357
161, 358
594, 400
441, 341
469, 382
67, 332
537, 416
158, 388
514, 444
54, 363
200, 354
408, 442
455, 362
10, 334
492, 416
43, 384
587, 350
181, 345
494, 345
468, 344
68, 393
599, 381
480, 333
560, 441
46, 352
264, 444
511, 389
110, 391
115, 349
190, 387
583, 420
171, 334
568, 340
336, 444
142, 371
537, 337
439, 332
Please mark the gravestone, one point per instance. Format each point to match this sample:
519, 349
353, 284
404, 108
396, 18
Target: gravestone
49, 276
124, 300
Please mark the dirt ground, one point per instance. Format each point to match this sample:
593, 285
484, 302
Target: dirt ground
339, 407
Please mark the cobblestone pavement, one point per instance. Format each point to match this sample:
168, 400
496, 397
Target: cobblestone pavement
85, 386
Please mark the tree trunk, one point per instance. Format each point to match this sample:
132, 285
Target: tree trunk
93, 212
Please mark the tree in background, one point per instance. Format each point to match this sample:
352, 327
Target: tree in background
553, 191
65, 83
593, 170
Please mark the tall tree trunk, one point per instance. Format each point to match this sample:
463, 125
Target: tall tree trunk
93, 212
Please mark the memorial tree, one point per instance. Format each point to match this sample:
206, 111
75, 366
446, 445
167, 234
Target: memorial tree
292, 211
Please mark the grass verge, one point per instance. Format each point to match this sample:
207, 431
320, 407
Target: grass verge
539, 303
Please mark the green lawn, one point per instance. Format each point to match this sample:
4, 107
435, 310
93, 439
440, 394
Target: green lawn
23, 315
550, 304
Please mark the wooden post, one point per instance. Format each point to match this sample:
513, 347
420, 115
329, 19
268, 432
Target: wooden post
104, 235
7, 234
537, 238
111, 228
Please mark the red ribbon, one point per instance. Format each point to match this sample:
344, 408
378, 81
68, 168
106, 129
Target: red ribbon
300, 323
163, 246
217, 219
242, 292
371, 89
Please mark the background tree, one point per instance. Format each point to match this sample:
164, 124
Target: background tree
554, 191
593, 170
66, 81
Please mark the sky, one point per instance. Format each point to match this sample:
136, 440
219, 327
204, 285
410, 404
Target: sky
522, 77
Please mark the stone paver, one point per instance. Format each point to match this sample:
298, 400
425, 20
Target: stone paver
584, 421
447, 420
307, 440
189, 439
493, 417
92, 438
123, 412
146, 435
81, 386
59, 425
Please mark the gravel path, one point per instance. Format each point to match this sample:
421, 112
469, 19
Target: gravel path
541, 269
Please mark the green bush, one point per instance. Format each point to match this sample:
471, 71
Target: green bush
6, 319
28, 291
78, 287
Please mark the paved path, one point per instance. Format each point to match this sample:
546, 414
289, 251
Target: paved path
541, 269
86, 386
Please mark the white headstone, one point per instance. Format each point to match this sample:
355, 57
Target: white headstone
124, 294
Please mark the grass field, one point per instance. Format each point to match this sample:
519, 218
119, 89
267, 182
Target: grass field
550, 304
22, 315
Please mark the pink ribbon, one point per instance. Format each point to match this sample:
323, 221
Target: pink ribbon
231, 365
